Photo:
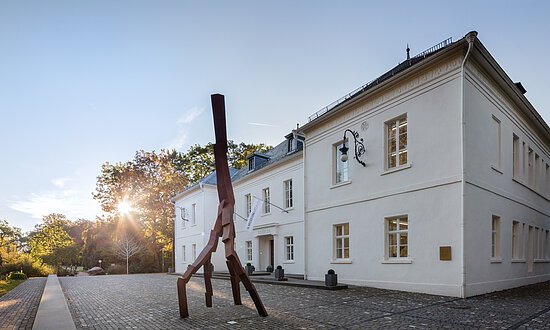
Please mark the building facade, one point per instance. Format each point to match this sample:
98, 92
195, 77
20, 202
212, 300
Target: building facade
454, 194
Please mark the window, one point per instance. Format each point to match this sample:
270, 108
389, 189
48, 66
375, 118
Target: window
267, 200
531, 167
515, 240
251, 164
547, 245
341, 168
194, 251
289, 248
497, 146
288, 194
183, 257
396, 141
516, 157
291, 144
183, 215
537, 171
249, 251
495, 237
341, 241
397, 240
193, 213
248, 203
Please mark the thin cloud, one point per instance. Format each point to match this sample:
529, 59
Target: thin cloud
262, 124
60, 182
189, 116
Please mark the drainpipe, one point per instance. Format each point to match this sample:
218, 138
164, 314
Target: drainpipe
470, 37
304, 184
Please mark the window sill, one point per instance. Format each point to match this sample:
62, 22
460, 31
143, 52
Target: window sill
541, 261
288, 262
266, 214
397, 261
341, 261
496, 260
340, 184
518, 261
397, 169
289, 209
499, 170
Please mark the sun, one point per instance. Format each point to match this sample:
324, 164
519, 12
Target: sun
124, 207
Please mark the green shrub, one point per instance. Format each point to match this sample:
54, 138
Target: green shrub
17, 276
25, 263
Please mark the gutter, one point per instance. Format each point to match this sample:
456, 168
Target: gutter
470, 37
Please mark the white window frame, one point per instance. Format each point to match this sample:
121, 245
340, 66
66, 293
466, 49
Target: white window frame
341, 169
495, 238
194, 251
249, 251
288, 194
515, 157
289, 248
193, 214
266, 194
398, 232
251, 164
497, 162
387, 152
248, 204
340, 240
516, 239
183, 254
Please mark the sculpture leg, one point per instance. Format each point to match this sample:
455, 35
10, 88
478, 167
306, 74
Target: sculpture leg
182, 297
235, 287
233, 263
208, 282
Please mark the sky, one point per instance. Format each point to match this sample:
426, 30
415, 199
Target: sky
88, 82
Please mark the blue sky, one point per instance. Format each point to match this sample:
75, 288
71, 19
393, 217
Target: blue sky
85, 82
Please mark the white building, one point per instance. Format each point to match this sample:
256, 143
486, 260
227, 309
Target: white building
277, 235
455, 195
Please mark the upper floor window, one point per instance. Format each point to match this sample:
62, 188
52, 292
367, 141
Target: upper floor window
193, 214
341, 173
248, 203
396, 141
497, 146
397, 237
288, 194
251, 163
341, 241
267, 200
516, 157
291, 144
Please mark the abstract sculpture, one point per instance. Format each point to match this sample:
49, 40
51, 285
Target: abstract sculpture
223, 227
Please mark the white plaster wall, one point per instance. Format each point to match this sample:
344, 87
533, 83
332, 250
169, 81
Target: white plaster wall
428, 191
277, 223
492, 190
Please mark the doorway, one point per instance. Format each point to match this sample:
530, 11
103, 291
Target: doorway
267, 252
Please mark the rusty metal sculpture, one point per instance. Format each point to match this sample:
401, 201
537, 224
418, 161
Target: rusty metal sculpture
223, 227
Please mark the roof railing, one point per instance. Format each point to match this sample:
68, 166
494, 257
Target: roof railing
351, 94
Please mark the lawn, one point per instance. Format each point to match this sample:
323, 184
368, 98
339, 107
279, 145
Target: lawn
7, 285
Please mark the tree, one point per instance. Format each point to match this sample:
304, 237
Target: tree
8, 236
50, 243
127, 246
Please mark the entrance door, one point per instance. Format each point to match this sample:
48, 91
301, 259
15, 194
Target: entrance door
272, 253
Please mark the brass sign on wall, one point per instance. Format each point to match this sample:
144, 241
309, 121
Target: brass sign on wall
445, 253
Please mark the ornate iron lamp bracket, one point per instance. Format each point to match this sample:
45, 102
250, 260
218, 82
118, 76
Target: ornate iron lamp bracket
359, 147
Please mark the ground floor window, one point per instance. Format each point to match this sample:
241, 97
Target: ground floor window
249, 251
194, 251
495, 237
341, 241
397, 237
183, 253
289, 248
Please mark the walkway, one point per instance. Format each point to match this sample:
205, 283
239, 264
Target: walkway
18, 307
53, 312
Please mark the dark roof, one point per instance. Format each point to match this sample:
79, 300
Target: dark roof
397, 69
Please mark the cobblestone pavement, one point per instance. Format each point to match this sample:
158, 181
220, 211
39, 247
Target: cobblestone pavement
149, 301
18, 307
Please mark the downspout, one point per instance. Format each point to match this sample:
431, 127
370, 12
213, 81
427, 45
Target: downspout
304, 185
470, 37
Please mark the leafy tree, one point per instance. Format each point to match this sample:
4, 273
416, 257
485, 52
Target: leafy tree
50, 243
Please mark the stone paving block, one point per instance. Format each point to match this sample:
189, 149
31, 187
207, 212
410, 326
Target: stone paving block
407, 322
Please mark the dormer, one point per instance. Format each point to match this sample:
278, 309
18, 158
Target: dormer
256, 160
294, 141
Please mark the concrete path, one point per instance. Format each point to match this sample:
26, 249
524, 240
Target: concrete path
53, 312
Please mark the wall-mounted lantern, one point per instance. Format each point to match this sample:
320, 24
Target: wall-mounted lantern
359, 147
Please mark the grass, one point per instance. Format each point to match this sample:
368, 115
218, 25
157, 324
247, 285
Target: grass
7, 285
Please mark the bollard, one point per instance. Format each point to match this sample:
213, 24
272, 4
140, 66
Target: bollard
331, 278
280, 273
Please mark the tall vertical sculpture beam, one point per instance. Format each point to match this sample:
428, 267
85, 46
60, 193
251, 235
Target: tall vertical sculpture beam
223, 227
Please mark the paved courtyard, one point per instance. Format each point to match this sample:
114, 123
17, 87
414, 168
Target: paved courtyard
150, 302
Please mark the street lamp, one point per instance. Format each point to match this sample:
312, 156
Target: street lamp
99, 263
359, 147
